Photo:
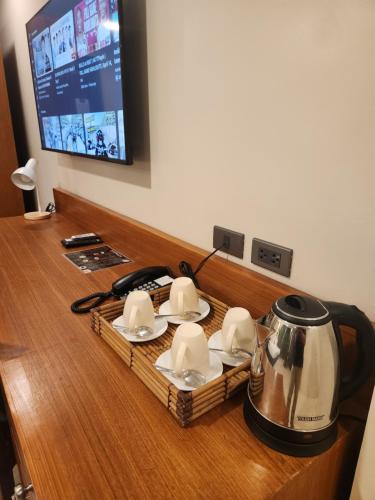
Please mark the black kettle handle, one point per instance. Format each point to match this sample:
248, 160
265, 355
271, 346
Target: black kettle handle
351, 316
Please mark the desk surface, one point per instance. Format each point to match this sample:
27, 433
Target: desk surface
87, 427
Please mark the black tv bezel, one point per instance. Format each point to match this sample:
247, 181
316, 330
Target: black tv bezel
128, 151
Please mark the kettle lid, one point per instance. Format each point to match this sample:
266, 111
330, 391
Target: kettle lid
301, 310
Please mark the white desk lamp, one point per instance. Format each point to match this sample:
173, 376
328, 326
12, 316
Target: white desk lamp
25, 178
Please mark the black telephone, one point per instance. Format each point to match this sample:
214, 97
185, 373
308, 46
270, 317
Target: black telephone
148, 279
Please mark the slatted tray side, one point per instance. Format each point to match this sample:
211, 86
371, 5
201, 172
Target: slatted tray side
152, 379
101, 319
184, 406
115, 340
208, 397
107, 313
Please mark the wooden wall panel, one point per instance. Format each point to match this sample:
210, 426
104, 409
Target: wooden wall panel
11, 201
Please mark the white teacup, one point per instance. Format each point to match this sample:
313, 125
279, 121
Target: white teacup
238, 330
138, 311
189, 349
183, 296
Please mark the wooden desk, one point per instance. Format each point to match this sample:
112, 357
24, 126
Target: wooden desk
84, 425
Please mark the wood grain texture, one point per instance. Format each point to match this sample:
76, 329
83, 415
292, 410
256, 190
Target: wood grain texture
87, 426
11, 201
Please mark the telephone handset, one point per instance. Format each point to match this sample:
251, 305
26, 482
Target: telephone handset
148, 279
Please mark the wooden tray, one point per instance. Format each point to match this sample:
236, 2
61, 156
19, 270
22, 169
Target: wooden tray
140, 357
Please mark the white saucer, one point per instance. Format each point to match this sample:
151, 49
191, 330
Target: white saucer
204, 309
214, 371
161, 326
216, 341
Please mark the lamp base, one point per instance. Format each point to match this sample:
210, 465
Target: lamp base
37, 215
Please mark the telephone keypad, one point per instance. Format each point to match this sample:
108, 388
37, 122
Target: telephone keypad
149, 286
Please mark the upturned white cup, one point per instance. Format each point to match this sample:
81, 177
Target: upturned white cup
238, 330
183, 296
189, 349
138, 311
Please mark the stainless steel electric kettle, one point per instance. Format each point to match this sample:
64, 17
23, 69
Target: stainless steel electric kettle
296, 377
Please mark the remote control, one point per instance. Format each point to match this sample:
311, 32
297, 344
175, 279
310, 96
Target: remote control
80, 240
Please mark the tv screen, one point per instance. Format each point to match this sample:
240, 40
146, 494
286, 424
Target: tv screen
77, 62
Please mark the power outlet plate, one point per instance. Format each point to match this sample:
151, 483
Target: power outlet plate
271, 256
232, 241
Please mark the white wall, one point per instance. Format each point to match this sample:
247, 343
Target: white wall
262, 119
364, 479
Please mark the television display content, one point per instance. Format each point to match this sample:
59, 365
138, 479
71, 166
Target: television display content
77, 62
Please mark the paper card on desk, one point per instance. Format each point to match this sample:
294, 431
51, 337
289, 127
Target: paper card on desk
93, 259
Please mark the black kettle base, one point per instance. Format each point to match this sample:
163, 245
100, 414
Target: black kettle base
270, 434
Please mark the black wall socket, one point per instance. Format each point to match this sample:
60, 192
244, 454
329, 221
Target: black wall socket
271, 256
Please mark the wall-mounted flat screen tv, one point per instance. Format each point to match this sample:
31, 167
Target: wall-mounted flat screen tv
77, 61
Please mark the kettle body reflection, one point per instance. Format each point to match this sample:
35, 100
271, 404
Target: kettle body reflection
296, 380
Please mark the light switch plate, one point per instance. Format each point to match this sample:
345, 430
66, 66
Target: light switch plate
232, 242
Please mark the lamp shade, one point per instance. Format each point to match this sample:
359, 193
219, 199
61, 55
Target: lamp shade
25, 177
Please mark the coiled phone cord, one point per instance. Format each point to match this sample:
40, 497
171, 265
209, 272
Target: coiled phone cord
100, 297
